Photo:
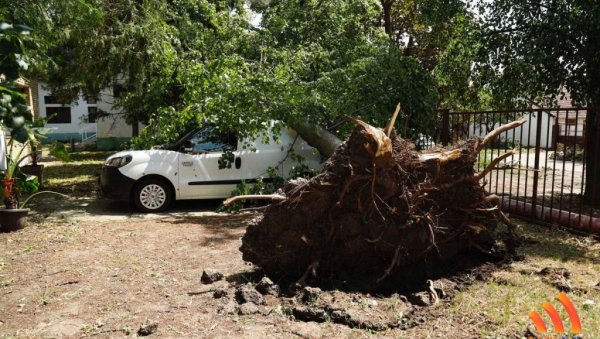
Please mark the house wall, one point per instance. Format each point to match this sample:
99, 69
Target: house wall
77, 129
111, 131
29, 89
526, 134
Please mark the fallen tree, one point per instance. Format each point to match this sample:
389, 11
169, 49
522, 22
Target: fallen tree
378, 210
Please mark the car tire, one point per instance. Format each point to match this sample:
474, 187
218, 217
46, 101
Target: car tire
152, 195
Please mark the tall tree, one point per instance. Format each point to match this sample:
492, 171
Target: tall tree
537, 50
185, 61
443, 36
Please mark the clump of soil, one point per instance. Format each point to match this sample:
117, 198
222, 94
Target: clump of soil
380, 213
401, 309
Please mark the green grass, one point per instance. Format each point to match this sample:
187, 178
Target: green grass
486, 156
78, 177
507, 300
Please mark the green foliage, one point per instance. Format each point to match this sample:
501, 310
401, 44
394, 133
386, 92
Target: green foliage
165, 126
260, 187
226, 159
27, 183
459, 88
16, 55
14, 113
329, 59
182, 62
534, 51
444, 38
14, 47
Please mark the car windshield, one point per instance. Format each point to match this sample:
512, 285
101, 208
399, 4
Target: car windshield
178, 142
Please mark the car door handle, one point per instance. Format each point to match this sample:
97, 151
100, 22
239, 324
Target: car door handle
238, 163
187, 163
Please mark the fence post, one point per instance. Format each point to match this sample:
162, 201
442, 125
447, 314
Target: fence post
445, 132
536, 165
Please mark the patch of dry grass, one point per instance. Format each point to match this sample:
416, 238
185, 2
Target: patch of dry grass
507, 299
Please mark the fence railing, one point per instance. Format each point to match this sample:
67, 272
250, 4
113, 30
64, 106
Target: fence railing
547, 179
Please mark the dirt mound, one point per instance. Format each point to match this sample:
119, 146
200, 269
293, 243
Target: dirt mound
379, 212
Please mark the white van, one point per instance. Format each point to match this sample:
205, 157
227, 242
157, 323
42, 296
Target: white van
189, 168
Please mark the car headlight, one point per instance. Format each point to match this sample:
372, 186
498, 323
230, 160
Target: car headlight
118, 161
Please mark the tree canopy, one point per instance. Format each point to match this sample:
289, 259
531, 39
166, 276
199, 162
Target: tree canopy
182, 62
538, 50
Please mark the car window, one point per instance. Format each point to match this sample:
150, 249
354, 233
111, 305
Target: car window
209, 139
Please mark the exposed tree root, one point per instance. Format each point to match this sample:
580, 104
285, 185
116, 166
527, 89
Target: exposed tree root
493, 164
379, 211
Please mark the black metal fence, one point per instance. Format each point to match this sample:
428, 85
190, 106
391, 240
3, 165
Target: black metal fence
545, 180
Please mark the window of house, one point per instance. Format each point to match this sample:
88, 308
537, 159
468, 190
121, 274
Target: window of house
58, 115
91, 100
51, 100
92, 114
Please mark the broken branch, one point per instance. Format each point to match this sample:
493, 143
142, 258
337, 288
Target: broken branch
272, 197
493, 164
392, 122
495, 133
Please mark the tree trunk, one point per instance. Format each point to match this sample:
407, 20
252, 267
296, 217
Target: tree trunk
387, 17
135, 128
592, 159
324, 141
591, 193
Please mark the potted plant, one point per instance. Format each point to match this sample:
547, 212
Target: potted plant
14, 182
12, 217
16, 117
34, 168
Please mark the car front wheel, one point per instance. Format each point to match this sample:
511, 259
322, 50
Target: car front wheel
152, 195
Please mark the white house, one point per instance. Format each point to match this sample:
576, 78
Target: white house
75, 121
564, 123
80, 120
526, 134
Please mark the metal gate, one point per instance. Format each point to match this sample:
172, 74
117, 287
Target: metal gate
545, 180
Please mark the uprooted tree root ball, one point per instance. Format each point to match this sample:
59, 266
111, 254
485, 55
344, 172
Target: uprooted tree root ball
378, 211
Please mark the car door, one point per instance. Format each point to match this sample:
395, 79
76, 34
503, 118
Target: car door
200, 176
261, 154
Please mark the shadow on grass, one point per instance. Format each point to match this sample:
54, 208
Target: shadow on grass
90, 156
551, 243
75, 178
71, 170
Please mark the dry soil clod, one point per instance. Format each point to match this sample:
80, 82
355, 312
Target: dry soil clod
147, 328
210, 276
